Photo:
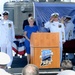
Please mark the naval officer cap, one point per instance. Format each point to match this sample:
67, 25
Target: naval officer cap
67, 72
55, 14
4, 58
68, 17
5, 13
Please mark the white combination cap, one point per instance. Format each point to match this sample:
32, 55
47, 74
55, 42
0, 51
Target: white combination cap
67, 72
5, 12
69, 17
4, 58
55, 14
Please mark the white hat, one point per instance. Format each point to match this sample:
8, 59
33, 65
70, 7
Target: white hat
67, 72
4, 58
68, 17
55, 14
5, 12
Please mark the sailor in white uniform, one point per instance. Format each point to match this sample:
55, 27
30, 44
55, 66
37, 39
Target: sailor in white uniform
56, 26
8, 36
4, 60
69, 28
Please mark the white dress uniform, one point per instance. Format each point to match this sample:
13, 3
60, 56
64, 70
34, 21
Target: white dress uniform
55, 26
69, 27
7, 38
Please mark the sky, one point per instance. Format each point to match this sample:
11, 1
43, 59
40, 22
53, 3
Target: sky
1, 5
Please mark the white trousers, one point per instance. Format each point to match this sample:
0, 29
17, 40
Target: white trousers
7, 48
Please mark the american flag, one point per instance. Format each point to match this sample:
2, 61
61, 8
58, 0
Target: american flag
18, 45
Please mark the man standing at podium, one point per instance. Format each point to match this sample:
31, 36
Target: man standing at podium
56, 26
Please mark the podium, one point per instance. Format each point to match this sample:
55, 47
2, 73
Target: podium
45, 50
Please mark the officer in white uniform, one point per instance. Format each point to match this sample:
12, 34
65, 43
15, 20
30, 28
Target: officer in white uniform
4, 60
56, 26
8, 36
69, 28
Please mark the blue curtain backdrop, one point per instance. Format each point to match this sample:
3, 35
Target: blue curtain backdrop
43, 11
